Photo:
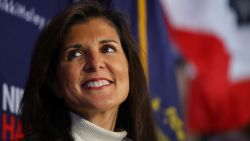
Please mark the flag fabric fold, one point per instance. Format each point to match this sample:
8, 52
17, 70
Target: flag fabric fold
214, 39
150, 31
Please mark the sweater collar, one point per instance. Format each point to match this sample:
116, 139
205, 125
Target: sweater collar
83, 130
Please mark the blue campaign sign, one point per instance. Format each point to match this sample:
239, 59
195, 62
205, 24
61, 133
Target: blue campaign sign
21, 22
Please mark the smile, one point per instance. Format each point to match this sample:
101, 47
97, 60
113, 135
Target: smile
96, 84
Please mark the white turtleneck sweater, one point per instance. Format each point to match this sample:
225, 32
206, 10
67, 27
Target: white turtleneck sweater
83, 130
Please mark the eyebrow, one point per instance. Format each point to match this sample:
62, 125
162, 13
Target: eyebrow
108, 40
77, 46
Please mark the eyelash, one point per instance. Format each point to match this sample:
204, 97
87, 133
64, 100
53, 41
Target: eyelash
108, 49
73, 54
77, 52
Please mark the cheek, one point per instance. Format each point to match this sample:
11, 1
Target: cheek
124, 69
68, 82
124, 75
67, 75
124, 85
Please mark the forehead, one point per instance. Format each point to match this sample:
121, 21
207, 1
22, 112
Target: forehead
94, 28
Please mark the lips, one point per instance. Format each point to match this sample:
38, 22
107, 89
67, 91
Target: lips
96, 83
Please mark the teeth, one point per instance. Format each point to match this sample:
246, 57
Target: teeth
97, 83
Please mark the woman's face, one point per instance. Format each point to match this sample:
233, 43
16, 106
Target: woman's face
92, 75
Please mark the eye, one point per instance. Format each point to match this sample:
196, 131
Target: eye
73, 54
108, 49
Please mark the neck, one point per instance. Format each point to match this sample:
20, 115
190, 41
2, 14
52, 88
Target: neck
104, 119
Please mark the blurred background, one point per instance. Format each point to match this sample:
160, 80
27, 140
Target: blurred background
195, 53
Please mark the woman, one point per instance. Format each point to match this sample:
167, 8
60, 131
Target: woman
86, 81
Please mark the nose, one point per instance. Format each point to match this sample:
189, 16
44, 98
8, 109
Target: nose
94, 62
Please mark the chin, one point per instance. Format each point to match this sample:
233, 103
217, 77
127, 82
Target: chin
105, 107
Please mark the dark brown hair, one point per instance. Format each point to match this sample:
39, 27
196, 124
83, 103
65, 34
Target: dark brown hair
46, 117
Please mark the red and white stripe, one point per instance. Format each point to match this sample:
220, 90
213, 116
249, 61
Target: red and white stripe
207, 34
